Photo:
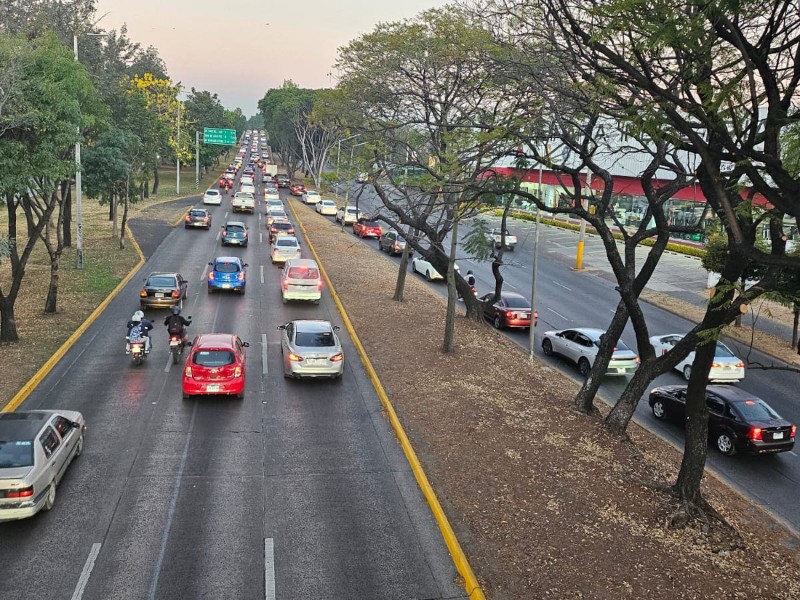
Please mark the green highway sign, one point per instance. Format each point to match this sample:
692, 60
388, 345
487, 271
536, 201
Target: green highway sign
224, 137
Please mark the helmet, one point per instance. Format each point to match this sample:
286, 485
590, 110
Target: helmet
469, 272
137, 316
176, 310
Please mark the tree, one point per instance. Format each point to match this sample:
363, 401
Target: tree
280, 108
203, 109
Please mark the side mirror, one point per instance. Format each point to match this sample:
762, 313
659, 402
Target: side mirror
282, 327
210, 264
336, 328
190, 343
75, 424
246, 344
244, 265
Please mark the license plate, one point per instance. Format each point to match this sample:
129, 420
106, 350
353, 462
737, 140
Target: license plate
226, 286
778, 435
162, 295
174, 343
316, 361
212, 388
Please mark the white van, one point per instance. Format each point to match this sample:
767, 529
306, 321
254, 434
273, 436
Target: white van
301, 280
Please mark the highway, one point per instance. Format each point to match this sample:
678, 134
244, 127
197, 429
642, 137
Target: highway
568, 298
298, 491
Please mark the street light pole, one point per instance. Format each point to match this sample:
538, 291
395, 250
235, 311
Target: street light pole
78, 182
338, 156
178, 154
197, 160
535, 269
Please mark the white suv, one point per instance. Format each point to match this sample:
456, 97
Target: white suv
212, 197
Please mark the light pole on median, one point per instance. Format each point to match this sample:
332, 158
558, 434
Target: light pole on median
338, 156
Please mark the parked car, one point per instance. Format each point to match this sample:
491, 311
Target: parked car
581, 346
280, 227
512, 310
347, 215
197, 217
36, 447
393, 243
326, 207
283, 248
420, 265
364, 229
727, 367
216, 366
311, 197
163, 290
297, 189
227, 273
311, 348
737, 420
301, 280
234, 233
212, 196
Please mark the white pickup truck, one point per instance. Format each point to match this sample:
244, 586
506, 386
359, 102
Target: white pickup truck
243, 202
511, 240
270, 169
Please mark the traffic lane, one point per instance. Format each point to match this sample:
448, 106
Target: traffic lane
348, 514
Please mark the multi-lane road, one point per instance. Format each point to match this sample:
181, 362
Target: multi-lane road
568, 298
299, 491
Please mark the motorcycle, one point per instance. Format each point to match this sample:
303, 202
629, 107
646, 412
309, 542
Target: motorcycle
137, 349
176, 345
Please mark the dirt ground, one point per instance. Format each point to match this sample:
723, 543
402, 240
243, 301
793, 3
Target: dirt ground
544, 502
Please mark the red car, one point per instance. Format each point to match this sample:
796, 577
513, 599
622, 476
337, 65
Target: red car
297, 189
215, 366
367, 229
512, 310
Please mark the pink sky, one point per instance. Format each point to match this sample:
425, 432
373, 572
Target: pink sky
242, 49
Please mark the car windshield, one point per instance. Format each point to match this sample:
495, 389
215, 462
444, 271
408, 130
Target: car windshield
18, 453
516, 302
723, 351
315, 339
288, 242
401, 240
756, 410
303, 273
161, 282
226, 267
214, 358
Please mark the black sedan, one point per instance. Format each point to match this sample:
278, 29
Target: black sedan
163, 290
737, 420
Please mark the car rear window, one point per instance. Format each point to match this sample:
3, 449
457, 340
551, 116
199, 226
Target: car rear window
370, 223
303, 273
282, 225
214, 358
234, 228
212, 193
352, 210
197, 213
317, 339
756, 410
226, 267
161, 282
286, 242
723, 351
17, 453
516, 302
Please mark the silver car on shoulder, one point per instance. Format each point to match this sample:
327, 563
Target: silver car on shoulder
311, 348
36, 447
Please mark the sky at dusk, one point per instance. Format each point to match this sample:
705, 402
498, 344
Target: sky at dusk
242, 49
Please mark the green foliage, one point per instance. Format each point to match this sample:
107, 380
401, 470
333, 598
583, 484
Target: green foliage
111, 163
478, 242
279, 107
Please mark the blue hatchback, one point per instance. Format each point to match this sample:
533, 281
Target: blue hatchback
227, 273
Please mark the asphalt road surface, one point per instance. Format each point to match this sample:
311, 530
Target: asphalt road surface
299, 491
566, 298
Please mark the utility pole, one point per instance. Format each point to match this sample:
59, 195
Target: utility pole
197, 160
178, 154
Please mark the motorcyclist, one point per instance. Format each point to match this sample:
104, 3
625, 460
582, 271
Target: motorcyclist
470, 279
139, 328
176, 324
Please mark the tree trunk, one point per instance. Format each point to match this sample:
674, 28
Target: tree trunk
51, 303
8, 324
401, 274
115, 226
67, 219
584, 401
794, 327
450, 315
124, 215
155, 180
145, 189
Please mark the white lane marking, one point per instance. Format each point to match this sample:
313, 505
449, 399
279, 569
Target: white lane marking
169, 362
205, 274
219, 233
264, 365
559, 314
563, 286
87, 571
173, 502
226, 215
269, 569
262, 273
792, 453
261, 239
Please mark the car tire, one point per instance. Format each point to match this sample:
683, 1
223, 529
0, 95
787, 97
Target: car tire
240, 395
511, 248
50, 500
283, 299
584, 367
186, 396
687, 372
428, 276
316, 301
547, 347
498, 323
79, 446
659, 410
725, 444
210, 290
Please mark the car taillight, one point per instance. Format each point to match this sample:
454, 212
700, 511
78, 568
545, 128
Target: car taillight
21, 493
794, 431
319, 286
187, 372
754, 433
176, 293
224, 233
205, 219
143, 293
535, 318
237, 372
295, 358
188, 218
740, 364
211, 275
336, 357
240, 276
174, 338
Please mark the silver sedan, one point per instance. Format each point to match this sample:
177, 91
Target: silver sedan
311, 348
36, 447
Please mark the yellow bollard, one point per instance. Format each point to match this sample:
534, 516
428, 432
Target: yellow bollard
579, 257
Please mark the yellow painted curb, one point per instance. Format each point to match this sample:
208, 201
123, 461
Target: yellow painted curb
459, 558
26, 389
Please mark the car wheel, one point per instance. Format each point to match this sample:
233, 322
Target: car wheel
498, 323
659, 411
240, 395
210, 290
185, 226
511, 248
316, 301
428, 276
186, 396
547, 347
584, 367
725, 444
283, 299
79, 446
687, 372
50, 501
